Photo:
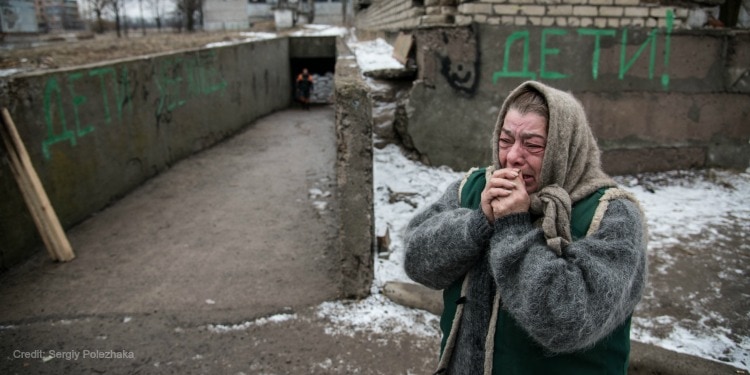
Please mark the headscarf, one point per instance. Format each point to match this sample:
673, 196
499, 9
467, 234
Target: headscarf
571, 168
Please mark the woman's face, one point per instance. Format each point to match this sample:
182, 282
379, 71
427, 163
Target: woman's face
521, 145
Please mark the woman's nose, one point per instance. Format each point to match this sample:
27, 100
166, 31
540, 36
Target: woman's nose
515, 155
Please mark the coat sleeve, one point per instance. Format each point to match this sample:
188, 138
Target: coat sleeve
443, 241
570, 302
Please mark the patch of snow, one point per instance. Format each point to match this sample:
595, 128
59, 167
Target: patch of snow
275, 319
374, 55
320, 30
9, 72
248, 37
713, 345
376, 314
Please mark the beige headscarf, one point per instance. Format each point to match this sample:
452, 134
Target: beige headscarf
571, 169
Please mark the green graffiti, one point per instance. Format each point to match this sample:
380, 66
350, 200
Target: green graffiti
101, 73
597, 34
122, 87
78, 100
543, 73
178, 80
52, 107
182, 79
210, 78
168, 84
55, 101
667, 48
625, 66
525, 73
625, 62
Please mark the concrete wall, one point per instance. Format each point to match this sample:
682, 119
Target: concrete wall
657, 99
659, 96
94, 133
306, 47
326, 13
354, 176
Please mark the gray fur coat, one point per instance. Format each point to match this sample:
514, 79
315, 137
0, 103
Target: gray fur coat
565, 297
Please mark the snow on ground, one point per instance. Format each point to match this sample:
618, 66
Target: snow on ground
678, 217
401, 188
246, 37
9, 72
378, 315
274, 319
373, 54
320, 30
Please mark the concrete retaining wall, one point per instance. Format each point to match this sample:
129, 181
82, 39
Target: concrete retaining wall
354, 176
96, 132
657, 99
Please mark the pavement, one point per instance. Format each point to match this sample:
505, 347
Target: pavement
219, 265
174, 277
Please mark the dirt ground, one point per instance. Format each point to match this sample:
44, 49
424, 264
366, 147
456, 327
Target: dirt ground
72, 49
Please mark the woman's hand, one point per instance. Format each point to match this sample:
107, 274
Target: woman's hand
504, 194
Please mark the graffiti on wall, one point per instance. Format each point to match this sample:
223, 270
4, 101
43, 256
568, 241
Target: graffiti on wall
60, 94
185, 77
626, 61
451, 53
178, 80
459, 61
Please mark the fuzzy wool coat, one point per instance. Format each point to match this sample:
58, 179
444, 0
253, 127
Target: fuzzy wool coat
566, 295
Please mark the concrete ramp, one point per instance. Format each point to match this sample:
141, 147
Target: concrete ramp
218, 265
241, 230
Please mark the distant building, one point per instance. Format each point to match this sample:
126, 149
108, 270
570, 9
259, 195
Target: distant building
18, 16
241, 14
58, 15
225, 15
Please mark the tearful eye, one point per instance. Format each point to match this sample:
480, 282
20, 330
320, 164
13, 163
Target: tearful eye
534, 148
505, 142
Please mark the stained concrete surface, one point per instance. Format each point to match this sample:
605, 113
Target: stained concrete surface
225, 237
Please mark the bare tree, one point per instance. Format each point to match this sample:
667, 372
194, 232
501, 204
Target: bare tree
157, 7
98, 7
311, 11
190, 9
116, 7
143, 21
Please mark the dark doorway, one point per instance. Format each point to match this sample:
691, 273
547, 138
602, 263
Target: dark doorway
322, 69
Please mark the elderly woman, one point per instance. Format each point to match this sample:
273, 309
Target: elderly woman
541, 257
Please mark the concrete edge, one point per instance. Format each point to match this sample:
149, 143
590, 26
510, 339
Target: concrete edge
356, 237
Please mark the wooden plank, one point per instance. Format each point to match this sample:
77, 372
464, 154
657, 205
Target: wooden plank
32, 202
38, 201
402, 47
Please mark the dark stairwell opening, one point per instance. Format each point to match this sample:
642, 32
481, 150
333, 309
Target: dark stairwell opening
322, 70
